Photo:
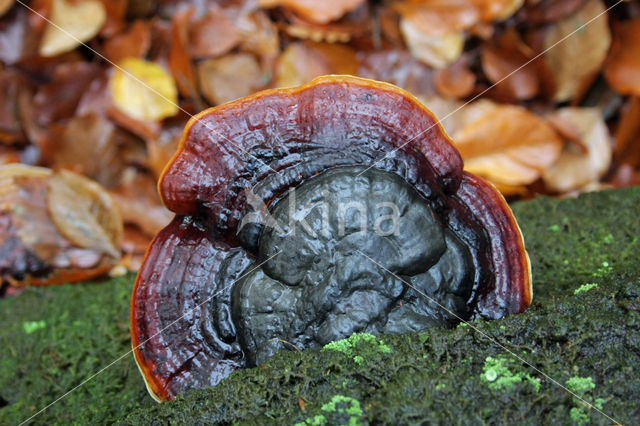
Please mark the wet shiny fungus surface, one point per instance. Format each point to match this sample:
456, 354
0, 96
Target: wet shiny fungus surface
325, 286
306, 214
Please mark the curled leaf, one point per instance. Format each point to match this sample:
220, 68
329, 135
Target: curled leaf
133, 43
302, 62
437, 51
72, 23
143, 90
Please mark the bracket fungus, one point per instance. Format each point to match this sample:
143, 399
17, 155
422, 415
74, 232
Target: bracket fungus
306, 214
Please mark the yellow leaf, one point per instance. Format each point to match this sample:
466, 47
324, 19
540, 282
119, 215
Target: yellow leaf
144, 90
71, 25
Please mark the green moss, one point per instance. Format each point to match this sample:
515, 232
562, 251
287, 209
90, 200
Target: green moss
432, 377
585, 287
359, 347
52, 339
502, 374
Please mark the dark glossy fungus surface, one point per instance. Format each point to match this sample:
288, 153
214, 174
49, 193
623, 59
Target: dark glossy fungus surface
285, 237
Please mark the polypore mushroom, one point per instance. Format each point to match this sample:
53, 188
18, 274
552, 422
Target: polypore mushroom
336, 247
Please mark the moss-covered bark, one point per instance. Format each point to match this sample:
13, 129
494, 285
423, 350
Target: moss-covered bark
584, 336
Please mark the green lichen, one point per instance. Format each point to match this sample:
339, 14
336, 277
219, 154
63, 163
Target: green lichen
503, 373
341, 410
585, 287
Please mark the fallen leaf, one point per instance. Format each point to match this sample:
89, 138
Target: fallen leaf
437, 51
179, 58
133, 43
504, 64
258, 35
5, 5
304, 61
144, 90
546, 11
229, 77
34, 248
455, 81
627, 134
212, 35
84, 213
507, 144
18, 40
580, 56
622, 69
71, 25
576, 168
140, 205
320, 12
116, 11
397, 67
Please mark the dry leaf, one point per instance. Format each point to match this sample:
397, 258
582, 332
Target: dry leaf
71, 25
580, 56
84, 213
320, 12
504, 63
144, 90
35, 249
212, 35
179, 58
302, 62
576, 168
507, 144
116, 11
229, 77
133, 43
5, 5
455, 81
437, 51
258, 35
622, 70
397, 67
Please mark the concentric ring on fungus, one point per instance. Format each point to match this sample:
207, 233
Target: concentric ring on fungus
306, 152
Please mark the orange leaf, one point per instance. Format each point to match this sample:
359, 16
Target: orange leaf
320, 12
622, 70
179, 58
212, 35
133, 43
229, 77
507, 144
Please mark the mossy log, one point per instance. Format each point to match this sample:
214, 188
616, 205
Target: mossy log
582, 332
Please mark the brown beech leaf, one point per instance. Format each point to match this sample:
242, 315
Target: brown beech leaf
303, 61
320, 12
576, 168
116, 11
71, 25
507, 144
229, 77
258, 35
622, 70
135, 42
579, 57
455, 81
438, 50
138, 200
34, 248
509, 56
84, 213
11, 85
627, 134
143, 90
179, 58
212, 35
397, 67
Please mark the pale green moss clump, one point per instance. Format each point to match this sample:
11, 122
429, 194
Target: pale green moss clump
585, 287
504, 373
342, 410
358, 347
